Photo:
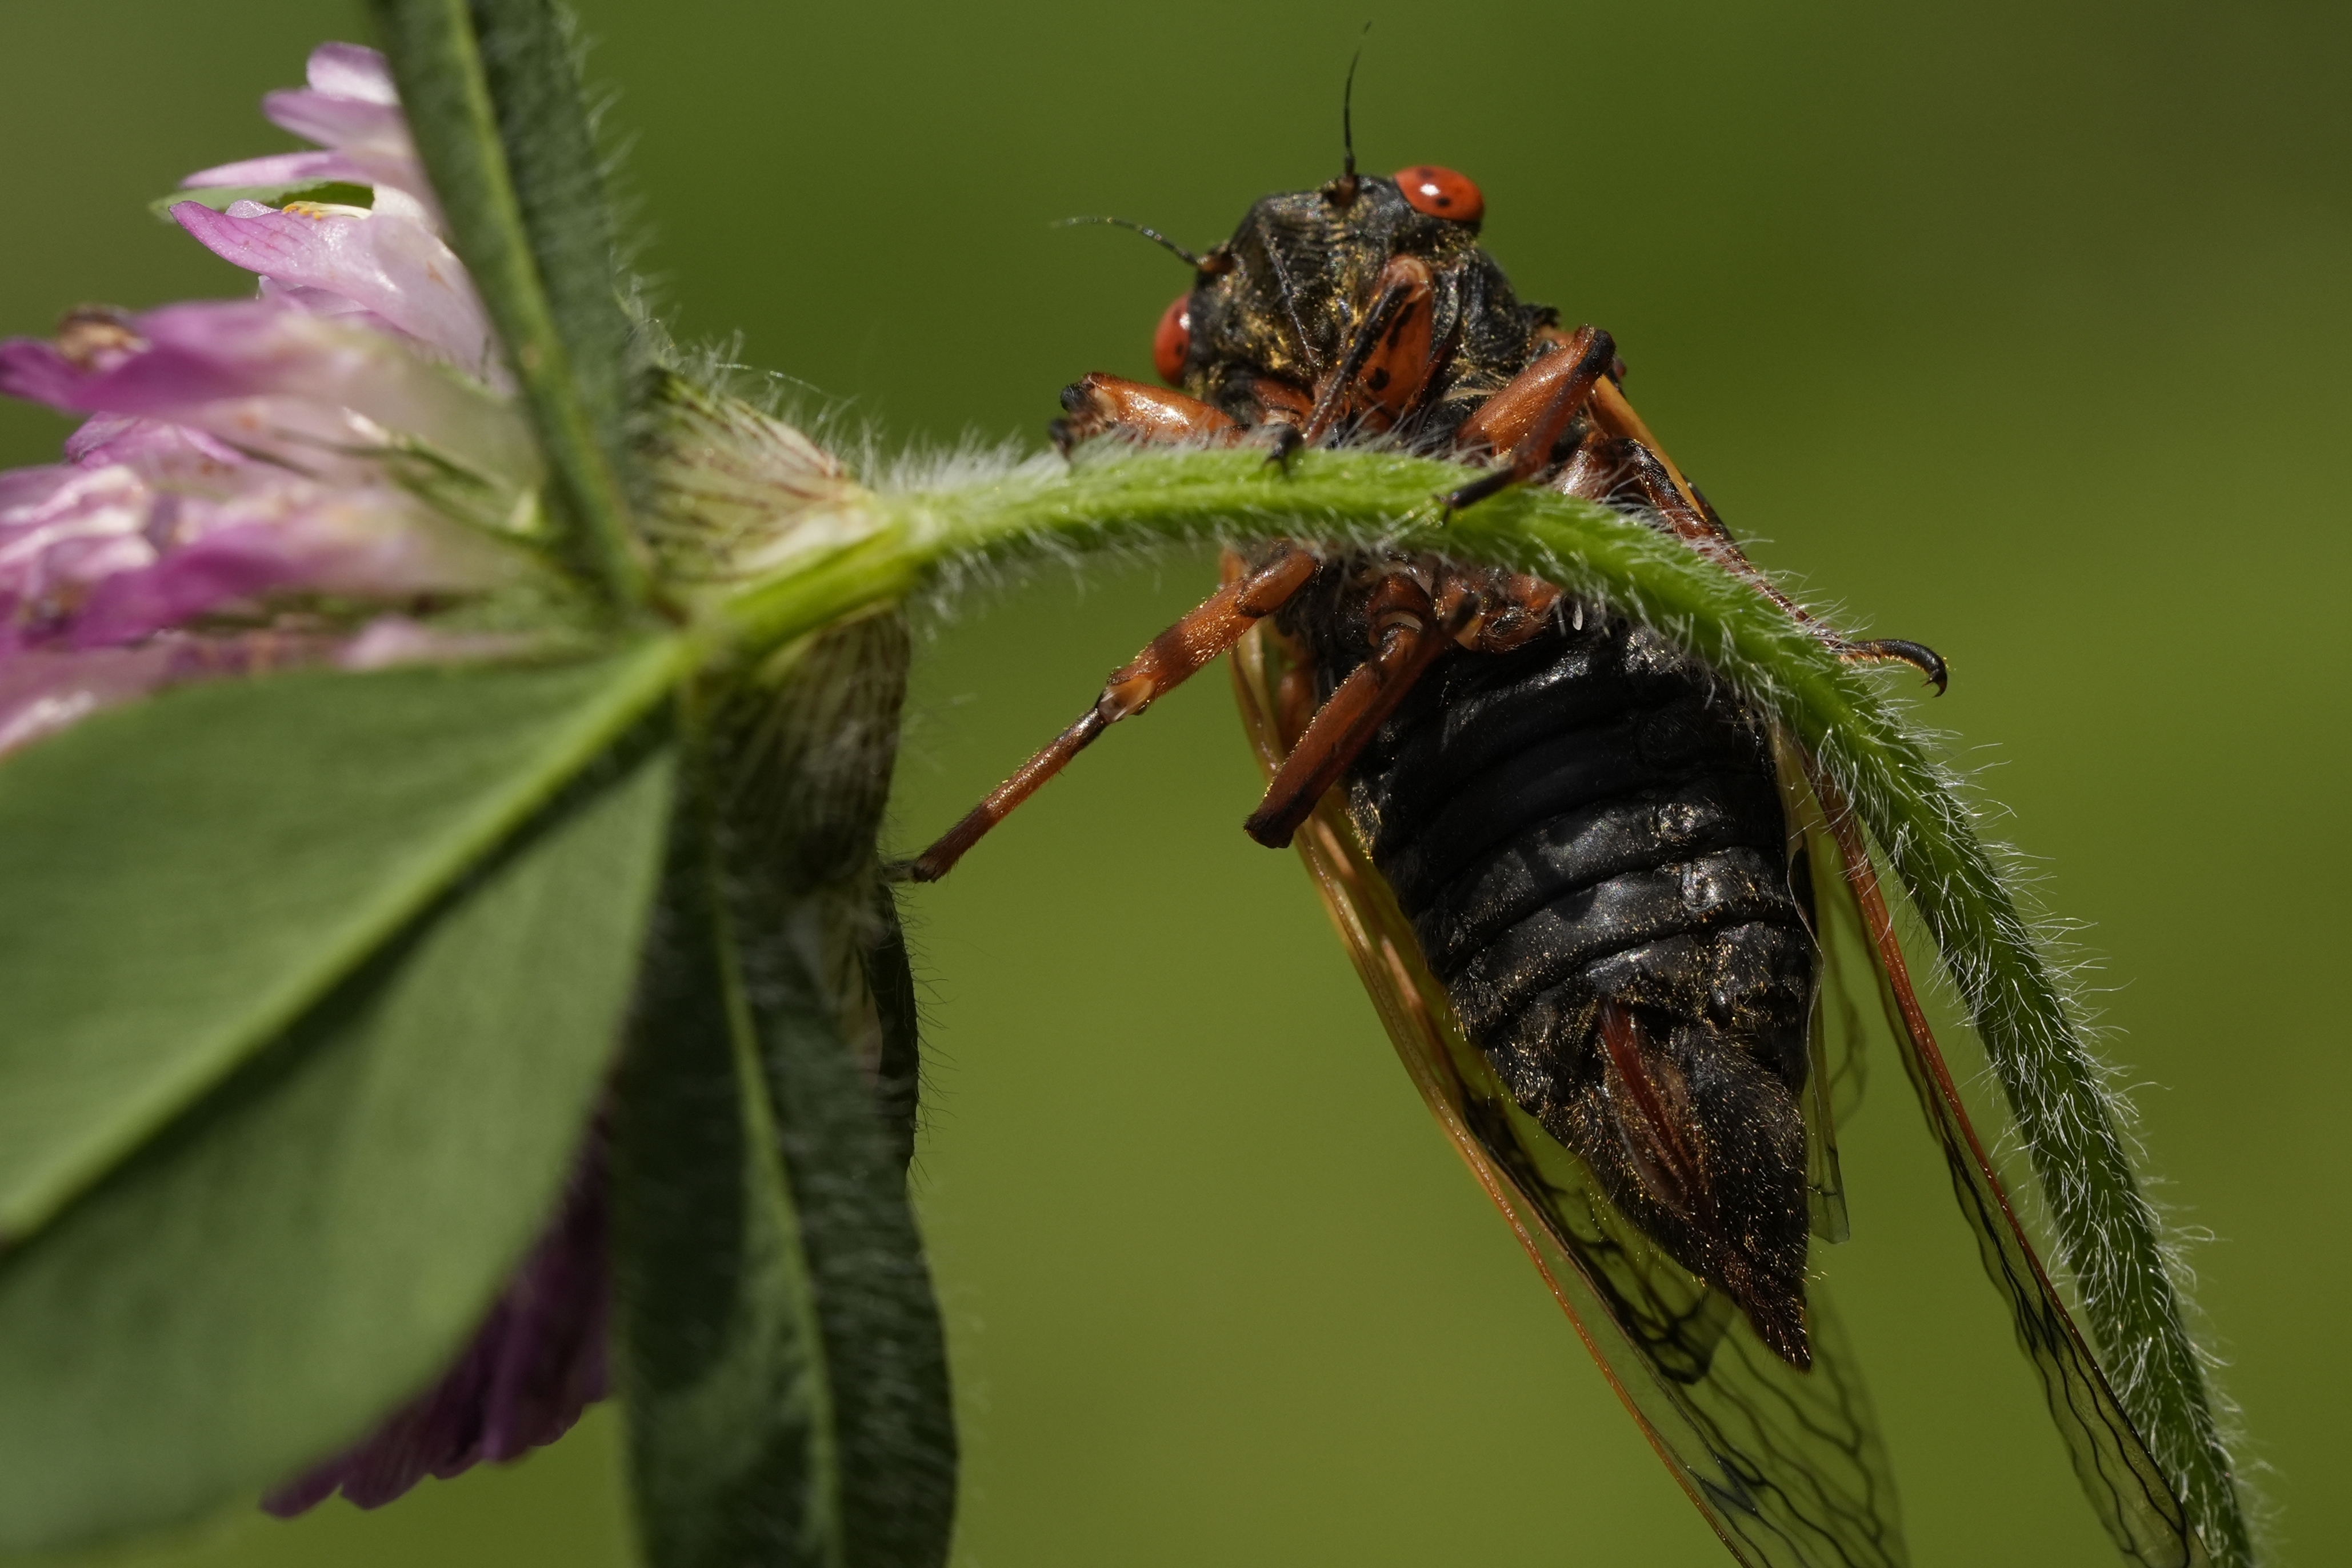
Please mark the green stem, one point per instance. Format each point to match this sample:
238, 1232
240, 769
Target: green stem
517, 242
2109, 1238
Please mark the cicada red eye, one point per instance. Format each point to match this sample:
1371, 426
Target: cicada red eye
1171, 344
1441, 193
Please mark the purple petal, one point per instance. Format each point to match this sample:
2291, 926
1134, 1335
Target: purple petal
279, 169
321, 302
332, 121
225, 567
536, 1363
45, 691
350, 107
297, 537
34, 369
149, 446
393, 264
61, 530
390, 640
42, 692
100, 556
207, 352
318, 394
351, 70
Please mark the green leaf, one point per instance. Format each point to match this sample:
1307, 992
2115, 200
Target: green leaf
493, 100
220, 198
186, 875
311, 1245
785, 1374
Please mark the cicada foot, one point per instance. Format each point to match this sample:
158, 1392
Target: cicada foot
1899, 650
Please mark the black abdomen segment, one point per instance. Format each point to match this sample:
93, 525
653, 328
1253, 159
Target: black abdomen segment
1593, 819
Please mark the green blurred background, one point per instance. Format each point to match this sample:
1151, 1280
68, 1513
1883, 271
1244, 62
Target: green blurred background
2019, 329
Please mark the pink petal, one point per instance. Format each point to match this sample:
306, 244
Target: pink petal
390, 640
44, 693
33, 369
351, 70
321, 303
292, 537
93, 557
315, 393
392, 264
231, 566
350, 107
352, 110
279, 169
332, 121
62, 529
150, 445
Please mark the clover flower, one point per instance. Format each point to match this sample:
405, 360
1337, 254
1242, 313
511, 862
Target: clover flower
321, 474
333, 472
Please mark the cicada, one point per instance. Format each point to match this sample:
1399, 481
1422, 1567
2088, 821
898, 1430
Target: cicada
1623, 931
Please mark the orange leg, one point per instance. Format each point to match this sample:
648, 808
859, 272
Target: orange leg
1102, 403
1175, 654
1388, 360
1524, 421
1414, 628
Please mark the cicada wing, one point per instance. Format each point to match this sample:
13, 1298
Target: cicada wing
2126, 1487
1839, 1037
1785, 1466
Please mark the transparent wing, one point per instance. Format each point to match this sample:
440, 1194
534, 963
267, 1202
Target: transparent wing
1785, 1466
2125, 1486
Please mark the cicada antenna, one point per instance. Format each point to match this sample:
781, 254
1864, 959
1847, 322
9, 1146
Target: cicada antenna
1342, 191
1153, 235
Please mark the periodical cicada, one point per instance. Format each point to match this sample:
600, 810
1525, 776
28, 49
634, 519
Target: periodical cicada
1599, 898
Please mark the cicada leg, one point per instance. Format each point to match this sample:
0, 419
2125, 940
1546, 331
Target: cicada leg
1476, 610
1102, 403
1523, 422
1405, 620
1165, 663
1869, 650
1389, 357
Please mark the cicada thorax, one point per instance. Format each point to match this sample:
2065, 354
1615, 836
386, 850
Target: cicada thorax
1276, 306
1589, 838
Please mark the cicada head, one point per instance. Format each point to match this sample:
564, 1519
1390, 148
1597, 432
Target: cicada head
1276, 309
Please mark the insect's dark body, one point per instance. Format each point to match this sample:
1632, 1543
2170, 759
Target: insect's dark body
1584, 826
1592, 819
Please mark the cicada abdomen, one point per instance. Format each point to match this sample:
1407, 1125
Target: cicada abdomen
1588, 837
